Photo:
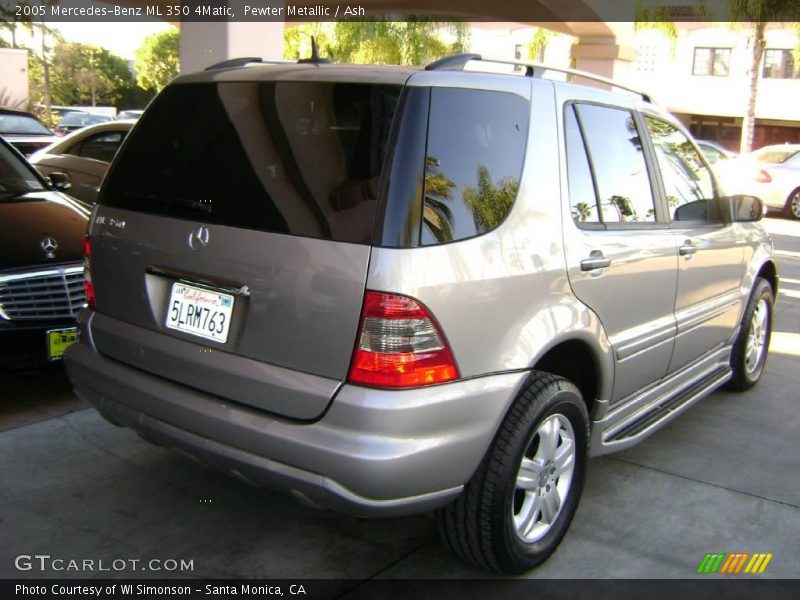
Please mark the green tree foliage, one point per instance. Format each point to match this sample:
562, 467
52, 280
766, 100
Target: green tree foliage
157, 60
297, 40
11, 22
414, 41
82, 75
538, 44
438, 192
490, 201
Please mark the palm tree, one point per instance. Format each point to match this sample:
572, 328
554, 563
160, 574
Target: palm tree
490, 202
758, 13
438, 190
581, 211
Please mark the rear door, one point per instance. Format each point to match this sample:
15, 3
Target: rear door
711, 255
620, 254
251, 204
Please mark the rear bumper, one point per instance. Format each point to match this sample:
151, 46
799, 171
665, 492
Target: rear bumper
373, 453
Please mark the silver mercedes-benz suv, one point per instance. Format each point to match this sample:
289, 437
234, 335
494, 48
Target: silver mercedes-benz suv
391, 290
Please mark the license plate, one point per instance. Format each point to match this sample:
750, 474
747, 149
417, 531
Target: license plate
204, 313
59, 340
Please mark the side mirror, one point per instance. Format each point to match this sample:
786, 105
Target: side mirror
746, 209
61, 181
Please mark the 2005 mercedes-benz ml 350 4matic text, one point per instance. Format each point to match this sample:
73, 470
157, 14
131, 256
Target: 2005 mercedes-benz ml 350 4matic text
393, 290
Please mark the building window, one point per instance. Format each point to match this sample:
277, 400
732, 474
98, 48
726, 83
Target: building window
712, 62
647, 59
779, 64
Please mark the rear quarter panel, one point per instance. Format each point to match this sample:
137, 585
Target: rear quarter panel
503, 298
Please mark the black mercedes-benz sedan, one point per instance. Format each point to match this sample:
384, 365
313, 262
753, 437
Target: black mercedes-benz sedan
41, 264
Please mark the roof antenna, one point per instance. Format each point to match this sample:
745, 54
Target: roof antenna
315, 58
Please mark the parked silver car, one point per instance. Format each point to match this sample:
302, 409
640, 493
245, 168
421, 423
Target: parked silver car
389, 290
84, 156
772, 173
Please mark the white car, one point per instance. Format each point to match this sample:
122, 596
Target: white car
772, 173
84, 156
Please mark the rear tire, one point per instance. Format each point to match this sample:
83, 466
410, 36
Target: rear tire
750, 349
792, 208
518, 506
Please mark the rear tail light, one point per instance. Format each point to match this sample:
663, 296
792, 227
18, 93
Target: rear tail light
763, 177
400, 345
88, 286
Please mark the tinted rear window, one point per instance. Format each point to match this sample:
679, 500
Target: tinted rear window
301, 158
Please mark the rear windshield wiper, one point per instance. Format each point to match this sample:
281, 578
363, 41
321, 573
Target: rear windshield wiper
203, 206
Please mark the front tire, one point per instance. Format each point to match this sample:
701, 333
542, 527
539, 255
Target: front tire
792, 208
518, 506
750, 349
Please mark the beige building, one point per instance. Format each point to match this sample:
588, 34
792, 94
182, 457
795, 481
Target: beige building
702, 76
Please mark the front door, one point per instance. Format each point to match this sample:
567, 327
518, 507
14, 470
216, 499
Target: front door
710, 262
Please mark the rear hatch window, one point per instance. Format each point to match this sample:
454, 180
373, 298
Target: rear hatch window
298, 158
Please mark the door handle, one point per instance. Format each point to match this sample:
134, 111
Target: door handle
595, 261
687, 249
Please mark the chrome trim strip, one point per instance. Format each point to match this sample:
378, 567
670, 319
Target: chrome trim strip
694, 316
641, 338
55, 272
659, 392
600, 446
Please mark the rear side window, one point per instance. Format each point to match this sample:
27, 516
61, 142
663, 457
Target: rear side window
473, 163
300, 158
102, 146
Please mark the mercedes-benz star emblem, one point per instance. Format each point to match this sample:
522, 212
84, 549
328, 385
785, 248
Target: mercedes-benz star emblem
49, 246
198, 239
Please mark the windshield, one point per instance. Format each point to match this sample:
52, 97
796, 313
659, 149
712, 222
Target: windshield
22, 124
774, 157
82, 119
15, 176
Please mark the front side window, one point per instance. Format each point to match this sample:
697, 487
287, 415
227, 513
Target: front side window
712, 62
615, 152
688, 184
476, 146
779, 64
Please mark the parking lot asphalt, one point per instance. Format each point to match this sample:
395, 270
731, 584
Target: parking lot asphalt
721, 478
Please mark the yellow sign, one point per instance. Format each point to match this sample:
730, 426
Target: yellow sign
58, 340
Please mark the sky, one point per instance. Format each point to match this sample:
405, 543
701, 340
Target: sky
121, 39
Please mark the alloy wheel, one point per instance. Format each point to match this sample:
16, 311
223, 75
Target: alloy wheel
755, 348
544, 478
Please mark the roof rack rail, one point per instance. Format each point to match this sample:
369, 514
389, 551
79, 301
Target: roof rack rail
246, 60
459, 61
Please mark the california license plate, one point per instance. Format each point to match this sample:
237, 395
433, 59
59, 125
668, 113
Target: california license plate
58, 340
204, 313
